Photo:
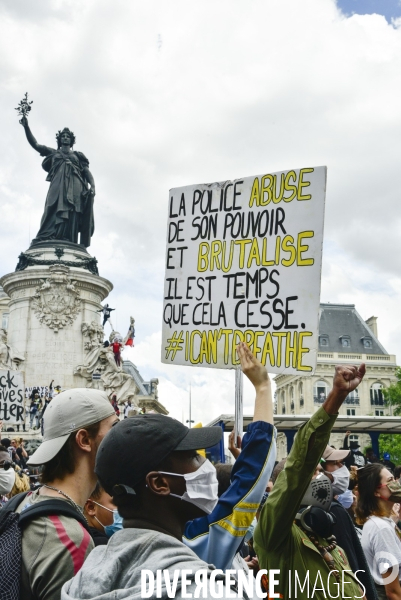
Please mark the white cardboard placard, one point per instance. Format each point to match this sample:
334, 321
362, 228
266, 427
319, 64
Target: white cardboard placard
243, 262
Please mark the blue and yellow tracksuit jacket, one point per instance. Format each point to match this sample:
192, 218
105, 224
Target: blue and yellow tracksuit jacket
216, 538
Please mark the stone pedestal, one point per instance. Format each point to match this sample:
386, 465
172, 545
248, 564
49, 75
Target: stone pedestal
53, 292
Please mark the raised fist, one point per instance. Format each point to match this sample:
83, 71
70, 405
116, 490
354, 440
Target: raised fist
348, 377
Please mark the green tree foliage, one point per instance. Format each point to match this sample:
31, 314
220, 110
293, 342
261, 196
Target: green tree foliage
391, 443
392, 394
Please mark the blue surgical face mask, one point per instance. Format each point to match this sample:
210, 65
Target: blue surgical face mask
117, 523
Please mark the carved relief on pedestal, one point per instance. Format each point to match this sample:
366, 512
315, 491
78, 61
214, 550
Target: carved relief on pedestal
93, 334
57, 302
10, 358
99, 361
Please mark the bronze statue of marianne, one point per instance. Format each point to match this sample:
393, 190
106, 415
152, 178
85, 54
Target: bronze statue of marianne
69, 203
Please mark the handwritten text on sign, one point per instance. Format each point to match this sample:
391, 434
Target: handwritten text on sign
11, 397
243, 262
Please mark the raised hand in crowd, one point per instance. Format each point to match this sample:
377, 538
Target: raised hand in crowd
258, 376
234, 449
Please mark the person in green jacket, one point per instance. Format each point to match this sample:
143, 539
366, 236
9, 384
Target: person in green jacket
291, 536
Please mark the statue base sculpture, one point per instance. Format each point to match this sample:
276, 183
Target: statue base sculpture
100, 370
52, 293
57, 253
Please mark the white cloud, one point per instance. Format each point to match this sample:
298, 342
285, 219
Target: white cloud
235, 89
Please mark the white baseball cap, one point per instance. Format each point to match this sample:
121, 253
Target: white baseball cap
332, 454
69, 411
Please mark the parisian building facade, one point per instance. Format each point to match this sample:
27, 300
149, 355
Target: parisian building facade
344, 338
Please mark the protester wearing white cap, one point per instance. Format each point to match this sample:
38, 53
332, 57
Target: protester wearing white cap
55, 547
333, 463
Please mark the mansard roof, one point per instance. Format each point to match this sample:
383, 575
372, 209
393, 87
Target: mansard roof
338, 321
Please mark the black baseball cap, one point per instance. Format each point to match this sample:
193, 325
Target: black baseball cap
137, 445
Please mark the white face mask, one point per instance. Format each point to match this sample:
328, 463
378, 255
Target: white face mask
202, 486
341, 480
7, 480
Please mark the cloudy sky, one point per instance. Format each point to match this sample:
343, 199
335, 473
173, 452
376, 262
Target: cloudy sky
163, 94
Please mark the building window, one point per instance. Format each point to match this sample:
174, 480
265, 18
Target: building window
354, 438
376, 395
320, 391
4, 321
283, 402
353, 398
379, 413
345, 341
324, 340
367, 342
301, 393
350, 412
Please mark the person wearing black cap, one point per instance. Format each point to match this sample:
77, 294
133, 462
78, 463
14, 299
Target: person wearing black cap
161, 468
355, 457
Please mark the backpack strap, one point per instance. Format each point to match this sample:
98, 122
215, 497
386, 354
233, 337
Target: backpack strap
51, 507
12, 504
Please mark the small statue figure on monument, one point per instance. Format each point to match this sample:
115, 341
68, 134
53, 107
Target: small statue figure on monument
69, 203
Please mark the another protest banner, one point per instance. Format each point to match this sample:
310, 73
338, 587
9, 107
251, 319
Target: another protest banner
12, 401
243, 262
41, 389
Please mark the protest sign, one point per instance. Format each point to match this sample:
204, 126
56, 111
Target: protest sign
243, 263
12, 402
41, 389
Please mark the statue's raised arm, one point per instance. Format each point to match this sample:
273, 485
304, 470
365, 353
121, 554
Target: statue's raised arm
43, 150
68, 213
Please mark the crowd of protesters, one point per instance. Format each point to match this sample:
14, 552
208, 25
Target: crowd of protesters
121, 491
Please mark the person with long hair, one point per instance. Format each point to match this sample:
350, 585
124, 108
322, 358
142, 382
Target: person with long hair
381, 539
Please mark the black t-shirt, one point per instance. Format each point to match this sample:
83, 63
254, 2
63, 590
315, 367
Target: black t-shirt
21, 457
354, 458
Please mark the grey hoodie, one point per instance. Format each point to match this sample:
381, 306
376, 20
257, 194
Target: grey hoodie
113, 572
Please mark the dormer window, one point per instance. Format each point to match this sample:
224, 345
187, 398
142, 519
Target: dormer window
367, 342
345, 341
324, 340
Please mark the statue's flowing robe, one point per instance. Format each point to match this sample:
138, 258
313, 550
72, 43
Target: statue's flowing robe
69, 203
